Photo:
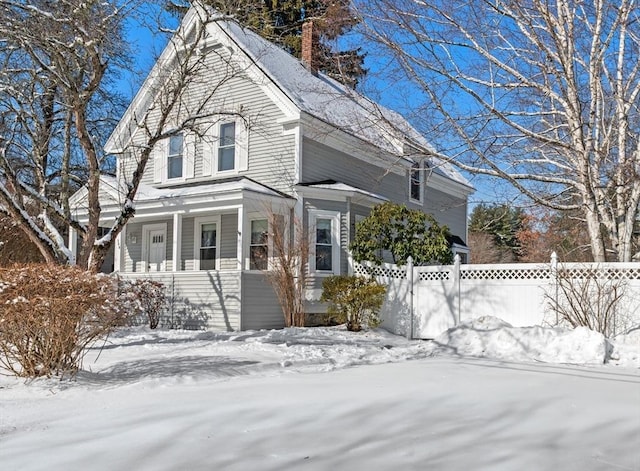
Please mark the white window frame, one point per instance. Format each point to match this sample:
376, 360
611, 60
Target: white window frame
252, 218
197, 234
334, 216
211, 149
146, 229
220, 147
170, 155
416, 167
161, 158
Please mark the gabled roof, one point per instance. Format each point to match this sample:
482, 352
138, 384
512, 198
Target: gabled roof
332, 102
317, 95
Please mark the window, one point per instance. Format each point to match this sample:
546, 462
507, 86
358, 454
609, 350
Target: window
175, 157
325, 243
207, 244
227, 147
415, 183
258, 245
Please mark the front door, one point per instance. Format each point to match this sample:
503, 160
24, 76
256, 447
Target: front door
157, 250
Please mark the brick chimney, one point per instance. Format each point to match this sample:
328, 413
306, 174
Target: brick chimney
310, 47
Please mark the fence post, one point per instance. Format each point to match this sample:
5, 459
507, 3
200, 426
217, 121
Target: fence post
456, 286
411, 292
554, 277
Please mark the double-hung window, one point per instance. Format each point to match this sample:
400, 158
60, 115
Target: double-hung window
227, 147
208, 241
258, 245
175, 156
416, 187
325, 243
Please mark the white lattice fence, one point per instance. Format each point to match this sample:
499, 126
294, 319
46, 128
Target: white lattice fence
438, 297
515, 293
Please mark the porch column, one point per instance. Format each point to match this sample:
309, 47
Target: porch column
73, 245
118, 251
241, 227
177, 242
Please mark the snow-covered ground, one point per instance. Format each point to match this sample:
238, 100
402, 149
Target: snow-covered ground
481, 396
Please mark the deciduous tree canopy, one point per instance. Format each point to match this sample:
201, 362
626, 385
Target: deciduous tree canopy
543, 94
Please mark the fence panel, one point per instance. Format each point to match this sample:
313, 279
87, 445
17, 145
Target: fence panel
516, 293
436, 300
396, 311
423, 302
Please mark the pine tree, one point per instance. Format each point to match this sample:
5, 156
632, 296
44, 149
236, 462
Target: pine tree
280, 21
501, 222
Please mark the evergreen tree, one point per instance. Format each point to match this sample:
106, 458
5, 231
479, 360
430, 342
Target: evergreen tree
503, 223
404, 233
280, 21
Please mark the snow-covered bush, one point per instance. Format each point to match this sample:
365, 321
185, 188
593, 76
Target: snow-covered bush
143, 297
50, 315
354, 300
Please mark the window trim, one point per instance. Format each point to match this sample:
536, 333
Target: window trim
334, 216
269, 243
160, 158
197, 235
416, 167
211, 149
219, 147
169, 156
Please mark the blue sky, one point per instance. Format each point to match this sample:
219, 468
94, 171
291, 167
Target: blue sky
379, 85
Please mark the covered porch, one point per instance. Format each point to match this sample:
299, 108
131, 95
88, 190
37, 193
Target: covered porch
208, 244
220, 226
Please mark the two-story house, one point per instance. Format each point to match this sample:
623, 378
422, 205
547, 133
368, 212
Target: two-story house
286, 140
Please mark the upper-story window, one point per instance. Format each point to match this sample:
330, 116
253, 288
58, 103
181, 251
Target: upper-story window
175, 156
227, 147
416, 183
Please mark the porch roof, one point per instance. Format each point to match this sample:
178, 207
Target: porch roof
181, 198
331, 189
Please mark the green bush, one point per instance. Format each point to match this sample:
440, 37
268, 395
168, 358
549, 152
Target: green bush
404, 233
353, 300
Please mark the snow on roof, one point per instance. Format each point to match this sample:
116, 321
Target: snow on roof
332, 102
338, 186
114, 191
149, 193
316, 95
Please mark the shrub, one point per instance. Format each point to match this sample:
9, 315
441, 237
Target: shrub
404, 233
354, 300
142, 297
592, 298
50, 315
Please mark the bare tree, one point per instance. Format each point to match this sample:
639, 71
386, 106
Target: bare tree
542, 94
57, 58
288, 273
